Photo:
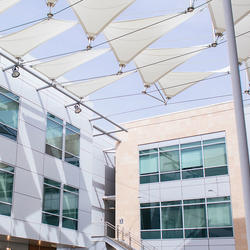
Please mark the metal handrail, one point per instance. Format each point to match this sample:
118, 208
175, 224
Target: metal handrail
123, 237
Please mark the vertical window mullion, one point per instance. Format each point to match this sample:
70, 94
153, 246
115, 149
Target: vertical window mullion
64, 141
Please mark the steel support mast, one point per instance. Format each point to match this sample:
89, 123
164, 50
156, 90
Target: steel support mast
239, 111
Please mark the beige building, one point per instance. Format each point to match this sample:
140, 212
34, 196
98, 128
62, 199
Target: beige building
178, 181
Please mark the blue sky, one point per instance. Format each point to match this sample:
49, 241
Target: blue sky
196, 31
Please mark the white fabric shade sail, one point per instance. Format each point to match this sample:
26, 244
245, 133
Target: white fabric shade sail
243, 40
155, 63
20, 43
95, 15
240, 9
56, 68
129, 38
5, 4
83, 89
176, 82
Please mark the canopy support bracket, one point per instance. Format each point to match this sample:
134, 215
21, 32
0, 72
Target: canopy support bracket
62, 91
105, 133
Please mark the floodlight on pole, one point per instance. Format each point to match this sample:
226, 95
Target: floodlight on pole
78, 110
15, 71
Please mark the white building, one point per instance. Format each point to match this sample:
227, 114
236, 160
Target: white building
53, 172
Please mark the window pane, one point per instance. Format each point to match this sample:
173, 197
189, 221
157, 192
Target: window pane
170, 203
5, 209
6, 187
71, 224
169, 161
171, 176
192, 174
72, 142
168, 148
211, 141
70, 205
50, 219
172, 234
148, 164
53, 151
54, 118
154, 150
9, 94
69, 126
194, 216
191, 158
149, 179
216, 199
6, 167
8, 111
192, 201
71, 159
150, 218
196, 233
216, 171
71, 189
221, 232
219, 215
151, 235
191, 144
215, 155
8, 132
171, 217
52, 183
153, 204
54, 135
51, 200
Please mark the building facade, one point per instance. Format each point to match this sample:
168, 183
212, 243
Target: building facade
178, 180
53, 172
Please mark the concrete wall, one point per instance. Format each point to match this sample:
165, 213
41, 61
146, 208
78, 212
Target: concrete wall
211, 119
31, 164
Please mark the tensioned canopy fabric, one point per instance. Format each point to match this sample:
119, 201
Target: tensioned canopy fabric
56, 68
240, 9
95, 15
170, 58
243, 39
83, 89
136, 35
21, 42
176, 82
5, 4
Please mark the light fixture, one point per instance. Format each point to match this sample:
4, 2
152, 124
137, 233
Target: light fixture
15, 72
51, 3
78, 110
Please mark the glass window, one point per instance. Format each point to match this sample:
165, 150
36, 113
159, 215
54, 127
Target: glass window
169, 161
72, 145
149, 179
6, 188
148, 164
171, 217
150, 218
191, 158
51, 202
219, 215
215, 155
216, 171
171, 176
151, 235
194, 216
70, 207
9, 107
54, 137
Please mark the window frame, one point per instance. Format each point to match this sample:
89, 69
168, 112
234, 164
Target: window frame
13, 176
63, 150
182, 204
183, 174
18, 113
60, 215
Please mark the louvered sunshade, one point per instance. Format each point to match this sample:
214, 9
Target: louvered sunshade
95, 15
20, 43
153, 64
242, 32
240, 9
56, 68
136, 35
5, 4
176, 82
83, 89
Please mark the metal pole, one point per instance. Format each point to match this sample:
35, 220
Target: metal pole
239, 112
